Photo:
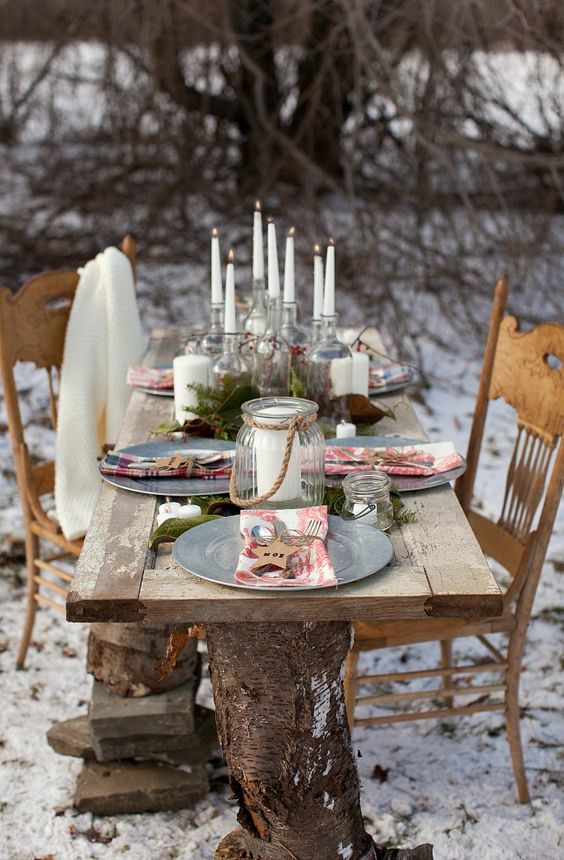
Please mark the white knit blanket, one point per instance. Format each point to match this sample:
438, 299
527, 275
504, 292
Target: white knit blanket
104, 336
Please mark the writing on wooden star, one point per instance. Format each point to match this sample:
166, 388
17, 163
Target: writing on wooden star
275, 553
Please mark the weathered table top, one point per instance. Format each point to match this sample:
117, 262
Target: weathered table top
439, 569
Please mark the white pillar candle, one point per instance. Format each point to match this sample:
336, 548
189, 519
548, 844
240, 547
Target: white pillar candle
360, 367
289, 278
329, 293
216, 286
230, 324
167, 511
273, 272
189, 510
317, 283
258, 248
345, 430
188, 370
341, 376
269, 446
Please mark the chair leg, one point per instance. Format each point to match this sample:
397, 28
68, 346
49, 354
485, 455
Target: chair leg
446, 661
31, 553
514, 738
351, 685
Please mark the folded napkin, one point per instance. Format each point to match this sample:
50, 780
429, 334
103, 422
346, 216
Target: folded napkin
177, 464
310, 565
159, 378
426, 459
388, 374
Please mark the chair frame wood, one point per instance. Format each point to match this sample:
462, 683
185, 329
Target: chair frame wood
515, 368
33, 323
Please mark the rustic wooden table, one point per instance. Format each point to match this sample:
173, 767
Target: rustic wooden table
276, 660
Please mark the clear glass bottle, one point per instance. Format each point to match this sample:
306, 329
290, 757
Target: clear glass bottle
259, 454
256, 320
212, 342
316, 330
271, 360
231, 363
367, 499
329, 372
297, 338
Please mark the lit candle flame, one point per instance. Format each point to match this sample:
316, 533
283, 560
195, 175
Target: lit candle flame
291, 231
331, 242
214, 232
257, 205
317, 249
231, 255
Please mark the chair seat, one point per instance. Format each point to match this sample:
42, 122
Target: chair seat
384, 634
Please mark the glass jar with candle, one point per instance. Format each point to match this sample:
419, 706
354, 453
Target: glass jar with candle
367, 499
264, 443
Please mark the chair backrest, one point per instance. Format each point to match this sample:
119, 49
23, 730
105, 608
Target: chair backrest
526, 369
33, 323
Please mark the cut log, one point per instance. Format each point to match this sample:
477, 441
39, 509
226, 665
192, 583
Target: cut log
124, 660
281, 719
116, 788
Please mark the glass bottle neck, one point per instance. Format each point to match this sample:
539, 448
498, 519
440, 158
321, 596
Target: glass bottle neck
274, 318
329, 328
289, 314
259, 293
231, 344
216, 317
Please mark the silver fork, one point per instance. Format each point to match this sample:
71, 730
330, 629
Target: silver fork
313, 528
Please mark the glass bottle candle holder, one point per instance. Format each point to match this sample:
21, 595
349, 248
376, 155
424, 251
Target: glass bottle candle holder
256, 320
297, 338
260, 452
367, 499
212, 342
271, 359
329, 372
231, 364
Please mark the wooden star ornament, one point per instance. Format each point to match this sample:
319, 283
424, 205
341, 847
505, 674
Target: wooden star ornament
275, 554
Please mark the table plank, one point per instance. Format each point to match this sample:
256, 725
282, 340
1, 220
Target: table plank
439, 568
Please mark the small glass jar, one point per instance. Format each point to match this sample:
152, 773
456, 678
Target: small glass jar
367, 499
260, 452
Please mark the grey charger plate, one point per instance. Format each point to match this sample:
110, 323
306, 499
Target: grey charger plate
174, 487
375, 391
210, 552
402, 483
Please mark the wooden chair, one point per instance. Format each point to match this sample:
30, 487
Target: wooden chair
33, 322
526, 369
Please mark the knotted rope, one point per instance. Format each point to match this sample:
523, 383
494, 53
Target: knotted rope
295, 425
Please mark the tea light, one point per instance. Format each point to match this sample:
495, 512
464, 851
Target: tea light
190, 510
269, 448
168, 511
360, 363
188, 370
345, 430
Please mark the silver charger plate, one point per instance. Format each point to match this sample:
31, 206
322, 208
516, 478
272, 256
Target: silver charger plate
210, 552
174, 487
160, 392
374, 391
402, 483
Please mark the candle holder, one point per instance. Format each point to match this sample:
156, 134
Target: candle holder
329, 372
316, 330
212, 341
280, 455
271, 362
256, 320
231, 363
297, 338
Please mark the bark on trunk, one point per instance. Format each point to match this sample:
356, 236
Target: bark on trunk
281, 719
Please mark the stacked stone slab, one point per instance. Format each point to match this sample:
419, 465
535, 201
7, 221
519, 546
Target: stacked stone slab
139, 730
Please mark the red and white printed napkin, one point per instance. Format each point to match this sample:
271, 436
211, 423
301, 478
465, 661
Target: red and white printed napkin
159, 378
310, 566
428, 458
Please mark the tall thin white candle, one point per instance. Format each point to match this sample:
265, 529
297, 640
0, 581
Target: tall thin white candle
317, 283
216, 286
269, 448
273, 272
258, 248
289, 279
329, 294
230, 325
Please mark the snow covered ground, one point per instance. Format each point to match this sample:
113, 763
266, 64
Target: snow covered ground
447, 783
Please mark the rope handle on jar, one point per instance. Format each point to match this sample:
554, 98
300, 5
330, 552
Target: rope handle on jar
295, 425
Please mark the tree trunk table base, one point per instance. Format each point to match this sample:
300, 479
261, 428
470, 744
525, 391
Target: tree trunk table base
281, 719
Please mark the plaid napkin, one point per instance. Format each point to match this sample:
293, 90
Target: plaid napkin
311, 565
159, 378
426, 459
388, 374
178, 464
